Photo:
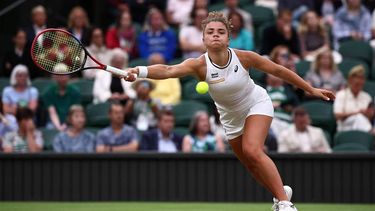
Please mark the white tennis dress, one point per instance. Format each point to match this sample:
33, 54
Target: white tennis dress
235, 94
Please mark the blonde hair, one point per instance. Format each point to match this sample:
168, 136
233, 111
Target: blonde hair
357, 71
315, 65
73, 14
303, 28
217, 17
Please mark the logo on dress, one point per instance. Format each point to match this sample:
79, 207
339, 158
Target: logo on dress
214, 75
236, 68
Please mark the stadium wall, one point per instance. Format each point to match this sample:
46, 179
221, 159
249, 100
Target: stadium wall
330, 178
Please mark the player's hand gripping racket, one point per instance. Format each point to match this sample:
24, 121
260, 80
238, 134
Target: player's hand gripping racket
59, 52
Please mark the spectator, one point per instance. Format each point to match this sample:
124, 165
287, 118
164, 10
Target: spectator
39, 23
157, 37
178, 12
281, 33
352, 22
190, 36
75, 138
350, 106
198, 4
123, 35
117, 137
20, 93
302, 137
108, 87
241, 38
98, 50
143, 108
18, 55
8, 123
162, 139
201, 138
167, 91
232, 5
57, 99
27, 138
78, 24
324, 73
313, 36
298, 8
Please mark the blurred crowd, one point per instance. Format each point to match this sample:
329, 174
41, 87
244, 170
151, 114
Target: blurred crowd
327, 42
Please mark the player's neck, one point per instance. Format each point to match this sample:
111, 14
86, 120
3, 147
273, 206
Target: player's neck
219, 57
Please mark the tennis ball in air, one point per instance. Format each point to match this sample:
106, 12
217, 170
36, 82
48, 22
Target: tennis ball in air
202, 87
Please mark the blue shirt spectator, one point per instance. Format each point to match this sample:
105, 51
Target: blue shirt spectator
157, 37
83, 142
243, 41
109, 137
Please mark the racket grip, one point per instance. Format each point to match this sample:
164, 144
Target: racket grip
116, 71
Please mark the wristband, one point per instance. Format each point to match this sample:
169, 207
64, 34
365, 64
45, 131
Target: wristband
142, 72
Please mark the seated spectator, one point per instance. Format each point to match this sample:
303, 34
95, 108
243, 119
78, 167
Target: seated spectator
324, 73
123, 35
162, 139
117, 137
19, 54
178, 11
143, 108
98, 50
314, 38
302, 137
39, 23
241, 38
297, 8
108, 87
233, 5
57, 99
351, 104
8, 123
352, 22
20, 93
281, 33
167, 91
198, 4
201, 138
190, 36
75, 138
78, 24
157, 37
27, 138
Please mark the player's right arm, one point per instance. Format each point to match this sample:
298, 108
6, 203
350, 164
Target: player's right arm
162, 71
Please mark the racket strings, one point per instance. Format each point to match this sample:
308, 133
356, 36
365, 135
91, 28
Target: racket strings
58, 52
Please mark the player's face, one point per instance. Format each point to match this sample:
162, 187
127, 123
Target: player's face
216, 36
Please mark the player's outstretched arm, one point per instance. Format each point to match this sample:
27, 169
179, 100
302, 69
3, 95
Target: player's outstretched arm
162, 71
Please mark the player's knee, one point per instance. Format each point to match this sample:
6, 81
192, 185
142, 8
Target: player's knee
253, 153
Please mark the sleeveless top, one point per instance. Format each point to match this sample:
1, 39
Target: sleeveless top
230, 86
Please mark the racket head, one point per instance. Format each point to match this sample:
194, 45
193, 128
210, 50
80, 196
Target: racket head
58, 51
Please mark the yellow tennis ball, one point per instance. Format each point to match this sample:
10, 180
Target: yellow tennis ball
202, 87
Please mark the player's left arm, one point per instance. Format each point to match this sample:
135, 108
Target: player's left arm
251, 59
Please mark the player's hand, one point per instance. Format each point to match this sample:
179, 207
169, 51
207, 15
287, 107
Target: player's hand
132, 74
323, 93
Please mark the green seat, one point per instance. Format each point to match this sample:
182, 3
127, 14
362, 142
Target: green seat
97, 114
370, 88
42, 84
347, 64
357, 50
182, 131
303, 67
259, 14
93, 130
216, 7
321, 114
350, 147
138, 62
4, 82
258, 35
186, 79
189, 93
85, 87
185, 110
258, 76
48, 136
176, 61
354, 136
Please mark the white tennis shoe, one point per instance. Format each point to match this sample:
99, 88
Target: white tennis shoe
284, 205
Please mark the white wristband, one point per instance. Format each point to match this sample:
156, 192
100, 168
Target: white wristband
142, 72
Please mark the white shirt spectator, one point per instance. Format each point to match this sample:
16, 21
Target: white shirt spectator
180, 10
194, 36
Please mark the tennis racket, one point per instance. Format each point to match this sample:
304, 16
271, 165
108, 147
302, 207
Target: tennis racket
59, 52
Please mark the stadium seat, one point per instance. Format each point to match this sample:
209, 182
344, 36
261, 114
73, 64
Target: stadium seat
259, 14
97, 114
347, 64
321, 114
185, 110
356, 137
303, 67
4, 82
189, 93
138, 62
350, 147
216, 7
48, 136
182, 131
85, 87
358, 50
93, 130
176, 61
370, 88
258, 76
42, 84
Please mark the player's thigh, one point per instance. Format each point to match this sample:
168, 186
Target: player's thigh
255, 131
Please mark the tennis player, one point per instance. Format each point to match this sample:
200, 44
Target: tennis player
245, 109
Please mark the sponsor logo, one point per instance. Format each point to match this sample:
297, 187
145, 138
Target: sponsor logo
236, 68
214, 75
